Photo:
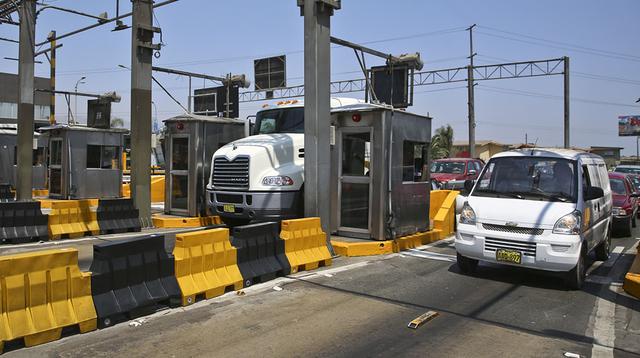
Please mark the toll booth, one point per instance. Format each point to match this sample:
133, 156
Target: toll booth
84, 162
9, 157
190, 141
379, 172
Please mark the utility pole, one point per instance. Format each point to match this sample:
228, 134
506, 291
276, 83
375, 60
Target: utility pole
142, 48
470, 94
317, 107
52, 78
26, 79
566, 102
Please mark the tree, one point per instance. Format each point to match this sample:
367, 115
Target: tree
117, 122
442, 142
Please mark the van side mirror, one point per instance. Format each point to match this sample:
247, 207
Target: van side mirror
468, 185
473, 172
593, 192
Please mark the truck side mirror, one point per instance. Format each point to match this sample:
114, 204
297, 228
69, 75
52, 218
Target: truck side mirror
468, 185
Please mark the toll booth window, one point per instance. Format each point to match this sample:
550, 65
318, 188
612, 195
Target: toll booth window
414, 162
55, 152
38, 156
356, 149
103, 157
180, 154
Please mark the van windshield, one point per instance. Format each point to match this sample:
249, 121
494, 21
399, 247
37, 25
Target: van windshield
532, 178
281, 120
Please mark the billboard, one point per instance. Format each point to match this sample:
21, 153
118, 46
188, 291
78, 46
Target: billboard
270, 73
212, 101
391, 88
99, 113
629, 125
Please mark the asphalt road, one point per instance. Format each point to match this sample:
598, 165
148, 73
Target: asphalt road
361, 307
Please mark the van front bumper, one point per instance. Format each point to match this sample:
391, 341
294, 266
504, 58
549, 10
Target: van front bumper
547, 251
258, 206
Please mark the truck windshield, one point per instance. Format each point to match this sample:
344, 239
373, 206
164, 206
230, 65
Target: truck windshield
281, 120
533, 178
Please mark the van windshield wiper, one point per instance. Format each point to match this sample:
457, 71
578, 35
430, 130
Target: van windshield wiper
500, 193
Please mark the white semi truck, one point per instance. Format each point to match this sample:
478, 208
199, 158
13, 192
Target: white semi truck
261, 177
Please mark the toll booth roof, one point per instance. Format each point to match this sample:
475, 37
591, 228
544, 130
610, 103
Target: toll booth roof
186, 117
83, 128
368, 107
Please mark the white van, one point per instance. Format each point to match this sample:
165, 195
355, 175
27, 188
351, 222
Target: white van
540, 208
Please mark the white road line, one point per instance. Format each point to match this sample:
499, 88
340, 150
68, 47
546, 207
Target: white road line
429, 255
436, 243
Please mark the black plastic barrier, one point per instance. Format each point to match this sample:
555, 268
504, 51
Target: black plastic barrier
132, 277
5, 192
22, 221
117, 216
261, 255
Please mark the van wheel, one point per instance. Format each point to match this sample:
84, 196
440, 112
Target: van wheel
604, 249
574, 279
466, 264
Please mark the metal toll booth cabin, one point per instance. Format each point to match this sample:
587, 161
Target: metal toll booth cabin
379, 172
85, 162
190, 141
8, 157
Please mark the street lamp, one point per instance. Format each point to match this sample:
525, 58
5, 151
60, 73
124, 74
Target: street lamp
81, 80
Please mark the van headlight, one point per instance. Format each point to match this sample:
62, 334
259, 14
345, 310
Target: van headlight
569, 224
467, 215
278, 180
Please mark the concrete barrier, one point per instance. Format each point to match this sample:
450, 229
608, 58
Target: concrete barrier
42, 293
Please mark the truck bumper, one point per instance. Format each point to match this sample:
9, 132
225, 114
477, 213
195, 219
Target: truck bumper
258, 206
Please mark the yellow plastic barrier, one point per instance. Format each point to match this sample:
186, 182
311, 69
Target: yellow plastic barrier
632, 278
171, 221
43, 292
157, 189
305, 244
73, 218
205, 263
442, 209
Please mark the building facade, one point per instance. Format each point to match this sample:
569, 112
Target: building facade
9, 99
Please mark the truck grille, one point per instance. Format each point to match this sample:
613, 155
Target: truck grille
231, 173
527, 248
513, 229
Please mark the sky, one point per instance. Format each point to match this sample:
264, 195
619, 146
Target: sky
218, 37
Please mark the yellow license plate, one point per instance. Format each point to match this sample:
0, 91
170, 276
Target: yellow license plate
511, 256
229, 208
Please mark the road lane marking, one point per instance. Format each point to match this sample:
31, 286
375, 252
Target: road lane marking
430, 255
437, 243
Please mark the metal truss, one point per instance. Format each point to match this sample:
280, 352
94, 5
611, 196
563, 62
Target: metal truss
7, 7
450, 75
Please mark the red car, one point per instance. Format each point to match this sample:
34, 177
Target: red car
625, 203
456, 169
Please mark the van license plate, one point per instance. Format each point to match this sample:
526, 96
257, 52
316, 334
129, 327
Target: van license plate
229, 208
509, 256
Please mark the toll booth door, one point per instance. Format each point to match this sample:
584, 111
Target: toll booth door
179, 175
354, 186
55, 166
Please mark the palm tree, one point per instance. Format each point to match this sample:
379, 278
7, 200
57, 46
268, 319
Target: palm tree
442, 142
117, 122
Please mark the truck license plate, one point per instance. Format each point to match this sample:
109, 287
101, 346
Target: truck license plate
509, 256
229, 208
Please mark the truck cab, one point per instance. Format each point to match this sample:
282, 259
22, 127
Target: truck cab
261, 177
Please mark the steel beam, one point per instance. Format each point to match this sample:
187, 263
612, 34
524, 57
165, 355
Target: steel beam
567, 126
26, 80
141, 68
317, 108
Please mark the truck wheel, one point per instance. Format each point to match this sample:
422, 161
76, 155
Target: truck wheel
604, 249
466, 264
574, 279
233, 222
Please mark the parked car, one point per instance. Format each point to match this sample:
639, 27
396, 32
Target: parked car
452, 172
635, 180
625, 203
630, 169
545, 209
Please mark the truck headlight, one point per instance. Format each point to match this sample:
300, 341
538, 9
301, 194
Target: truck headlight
278, 180
467, 215
619, 212
569, 224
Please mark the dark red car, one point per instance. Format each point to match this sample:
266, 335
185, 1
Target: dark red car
625, 203
456, 169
